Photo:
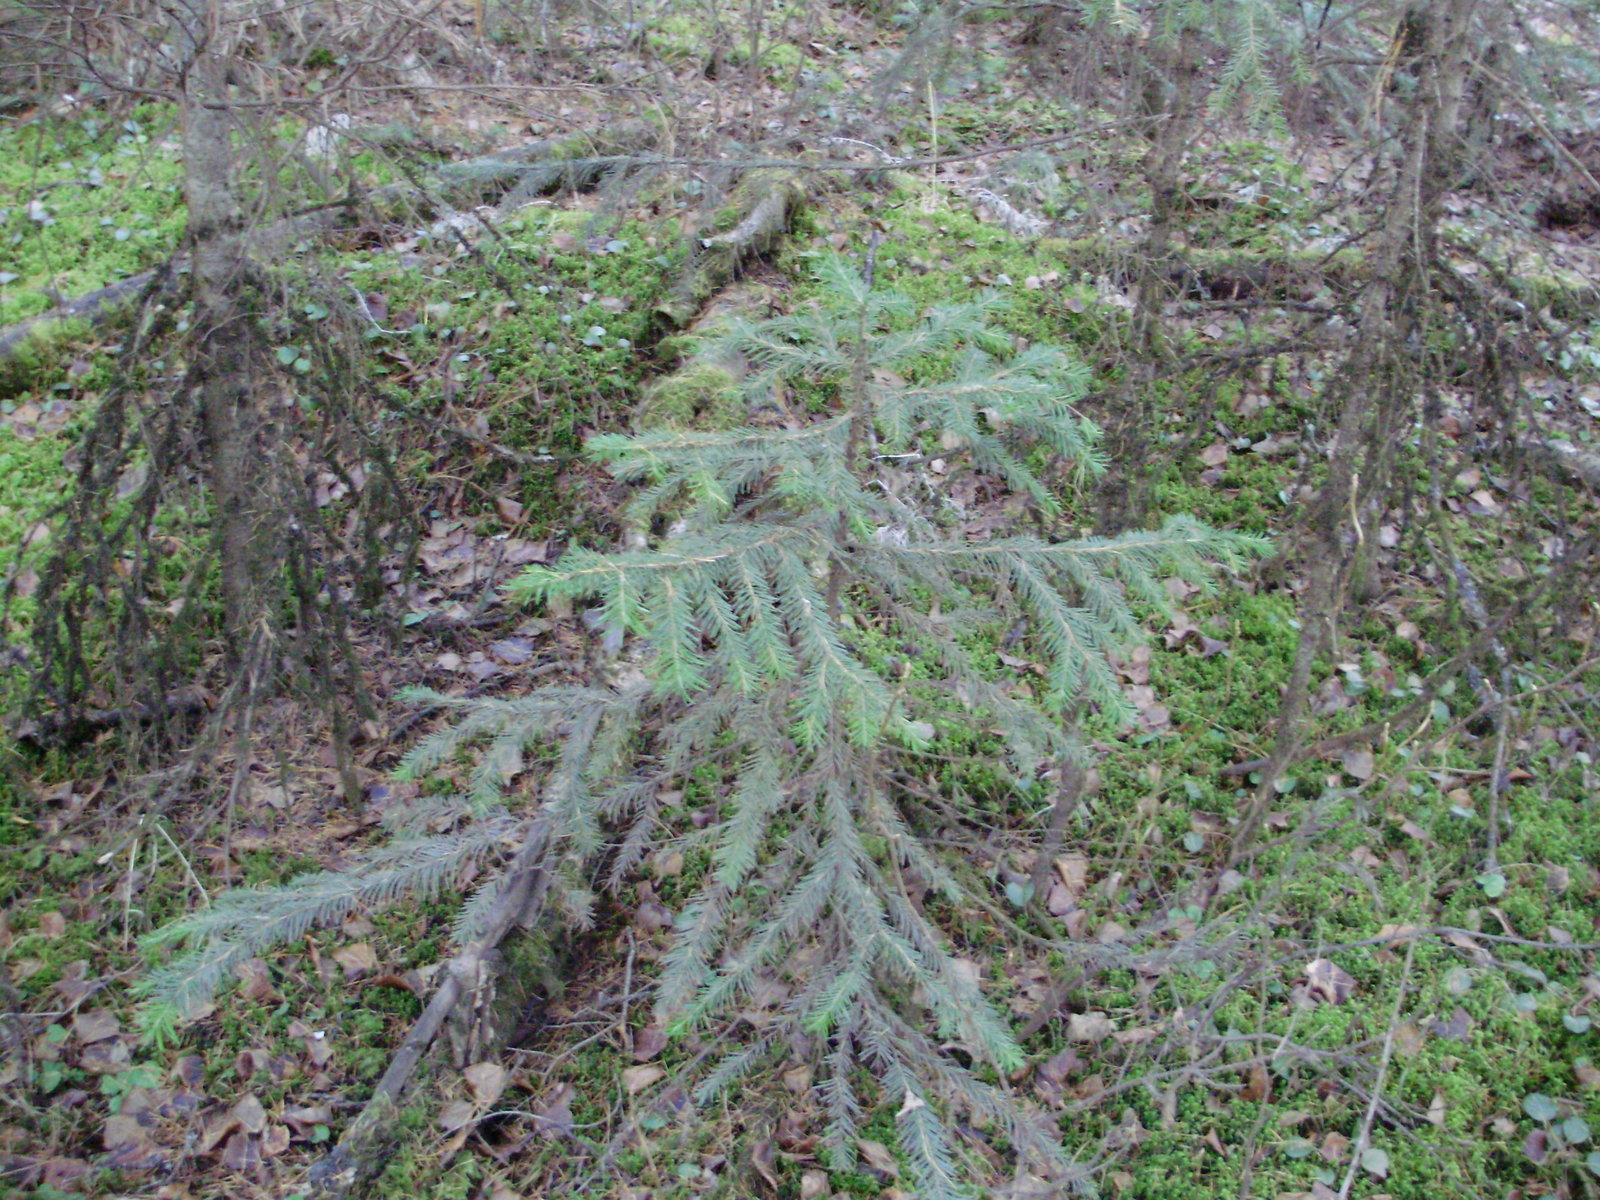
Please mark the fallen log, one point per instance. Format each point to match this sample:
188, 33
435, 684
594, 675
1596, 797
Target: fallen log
514, 176
767, 201
368, 1141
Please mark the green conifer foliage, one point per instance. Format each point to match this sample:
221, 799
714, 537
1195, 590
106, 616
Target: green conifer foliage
776, 563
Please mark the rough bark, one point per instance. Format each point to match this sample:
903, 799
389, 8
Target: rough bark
369, 1140
226, 339
1378, 380
771, 201
1172, 99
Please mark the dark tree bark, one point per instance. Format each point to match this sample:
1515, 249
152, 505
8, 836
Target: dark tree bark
227, 340
1379, 379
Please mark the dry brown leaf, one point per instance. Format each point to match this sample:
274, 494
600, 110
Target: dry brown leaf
555, 1114
1258, 1084
1329, 982
649, 1042
1408, 1040
486, 1080
636, 1079
457, 1115
1089, 1027
1437, 1110
255, 981
875, 1156
357, 959
764, 1160
95, 1026
1357, 761
249, 1113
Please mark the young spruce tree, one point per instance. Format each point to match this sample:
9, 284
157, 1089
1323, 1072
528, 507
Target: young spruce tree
808, 626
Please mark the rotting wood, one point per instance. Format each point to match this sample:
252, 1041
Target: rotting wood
515, 176
368, 1141
72, 727
1567, 459
772, 199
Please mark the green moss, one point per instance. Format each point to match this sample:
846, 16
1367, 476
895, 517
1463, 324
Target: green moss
96, 203
701, 396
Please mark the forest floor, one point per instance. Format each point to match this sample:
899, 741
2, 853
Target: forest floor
1390, 995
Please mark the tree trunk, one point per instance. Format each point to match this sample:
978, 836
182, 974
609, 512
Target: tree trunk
1380, 379
226, 339
1171, 99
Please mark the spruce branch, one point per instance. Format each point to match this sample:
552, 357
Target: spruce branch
804, 632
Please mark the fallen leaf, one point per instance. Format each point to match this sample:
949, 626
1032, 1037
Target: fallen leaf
1458, 1028
636, 1079
876, 1157
1056, 1068
357, 959
1258, 1086
649, 1042
1437, 1110
1089, 1027
764, 1160
1357, 761
1328, 982
486, 1080
95, 1026
1375, 1161
555, 1114
1407, 1040
249, 1113
255, 981
457, 1115
1399, 933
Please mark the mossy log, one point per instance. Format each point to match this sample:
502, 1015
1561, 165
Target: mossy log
1569, 461
513, 176
766, 203
703, 391
368, 1141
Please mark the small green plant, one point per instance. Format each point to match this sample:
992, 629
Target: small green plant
775, 561
115, 1087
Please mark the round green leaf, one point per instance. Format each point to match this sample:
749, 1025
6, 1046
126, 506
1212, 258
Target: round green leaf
1375, 1161
1576, 1022
1493, 884
1539, 1106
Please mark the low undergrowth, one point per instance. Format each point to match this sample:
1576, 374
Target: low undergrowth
1389, 995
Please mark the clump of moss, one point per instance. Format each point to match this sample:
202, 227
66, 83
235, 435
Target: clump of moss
703, 395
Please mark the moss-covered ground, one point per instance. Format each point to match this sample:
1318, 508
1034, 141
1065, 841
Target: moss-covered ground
1382, 994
